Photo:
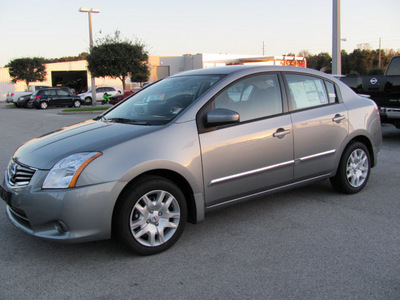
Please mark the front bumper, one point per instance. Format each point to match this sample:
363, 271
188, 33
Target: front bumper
79, 214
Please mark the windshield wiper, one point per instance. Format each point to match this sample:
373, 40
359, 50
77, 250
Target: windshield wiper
125, 120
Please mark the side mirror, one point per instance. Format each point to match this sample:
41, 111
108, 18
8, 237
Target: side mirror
221, 116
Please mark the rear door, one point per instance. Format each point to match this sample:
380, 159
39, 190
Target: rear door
100, 93
255, 154
64, 97
51, 97
320, 124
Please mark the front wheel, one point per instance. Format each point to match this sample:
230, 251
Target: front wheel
88, 100
151, 216
354, 169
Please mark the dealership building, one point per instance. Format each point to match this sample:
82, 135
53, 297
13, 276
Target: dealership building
75, 74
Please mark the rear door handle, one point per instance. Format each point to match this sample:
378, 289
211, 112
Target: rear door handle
338, 118
281, 133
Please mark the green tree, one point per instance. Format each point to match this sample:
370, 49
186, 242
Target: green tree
322, 62
81, 56
27, 69
118, 58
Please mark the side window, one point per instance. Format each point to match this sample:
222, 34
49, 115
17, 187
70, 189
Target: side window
253, 97
331, 92
62, 93
99, 90
306, 91
50, 92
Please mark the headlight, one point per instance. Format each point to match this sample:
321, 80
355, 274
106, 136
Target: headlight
65, 173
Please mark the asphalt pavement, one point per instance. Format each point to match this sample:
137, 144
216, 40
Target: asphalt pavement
308, 243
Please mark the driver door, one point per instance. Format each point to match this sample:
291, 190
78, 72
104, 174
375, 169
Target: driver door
253, 155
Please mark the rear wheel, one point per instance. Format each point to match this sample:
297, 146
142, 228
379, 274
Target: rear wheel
77, 103
151, 215
354, 169
44, 105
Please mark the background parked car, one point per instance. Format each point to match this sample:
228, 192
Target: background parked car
87, 96
119, 97
24, 101
54, 97
16, 97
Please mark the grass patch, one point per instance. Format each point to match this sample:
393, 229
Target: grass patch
10, 106
89, 108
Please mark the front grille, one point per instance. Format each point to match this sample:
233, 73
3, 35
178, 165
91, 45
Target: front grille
18, 175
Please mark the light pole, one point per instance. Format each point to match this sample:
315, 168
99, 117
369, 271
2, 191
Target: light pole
336, 51
90, 11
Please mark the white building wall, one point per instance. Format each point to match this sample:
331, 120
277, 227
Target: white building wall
81, 65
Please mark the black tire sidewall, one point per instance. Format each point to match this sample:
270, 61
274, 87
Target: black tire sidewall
128, 201
340, 181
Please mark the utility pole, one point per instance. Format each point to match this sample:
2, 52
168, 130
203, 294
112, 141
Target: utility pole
336, 52
90, 11
263, 48
379, 53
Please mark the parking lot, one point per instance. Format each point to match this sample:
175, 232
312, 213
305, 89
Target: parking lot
308, 243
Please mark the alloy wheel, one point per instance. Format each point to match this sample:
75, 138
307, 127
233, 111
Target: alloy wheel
155, 218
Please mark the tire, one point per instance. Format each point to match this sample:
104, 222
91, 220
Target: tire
354, 169
88, 100
29, 104
77, 103
44, 105
150, 216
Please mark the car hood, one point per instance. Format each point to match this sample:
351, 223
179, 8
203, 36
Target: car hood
43, 152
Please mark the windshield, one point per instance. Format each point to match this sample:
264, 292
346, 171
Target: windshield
163, 101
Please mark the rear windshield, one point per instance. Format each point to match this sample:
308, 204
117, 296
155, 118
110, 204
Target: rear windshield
163, 101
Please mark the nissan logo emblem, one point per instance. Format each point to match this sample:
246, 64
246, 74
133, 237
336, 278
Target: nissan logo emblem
373, 80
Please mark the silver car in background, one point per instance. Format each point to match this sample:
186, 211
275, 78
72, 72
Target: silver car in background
188, 144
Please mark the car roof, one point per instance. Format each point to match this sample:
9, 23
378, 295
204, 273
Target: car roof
250, 69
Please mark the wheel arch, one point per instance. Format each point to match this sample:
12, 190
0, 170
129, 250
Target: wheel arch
173, 176
364, 140
358, 138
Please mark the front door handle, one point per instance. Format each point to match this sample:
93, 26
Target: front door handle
281, 133
338, 118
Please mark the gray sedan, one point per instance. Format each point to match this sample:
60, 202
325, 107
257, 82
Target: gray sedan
185, 145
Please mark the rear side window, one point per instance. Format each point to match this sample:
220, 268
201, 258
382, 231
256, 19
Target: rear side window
332, 95
307, 91
62, 93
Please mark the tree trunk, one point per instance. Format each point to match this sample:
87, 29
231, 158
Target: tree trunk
123, 83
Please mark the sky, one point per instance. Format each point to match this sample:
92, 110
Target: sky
56, 28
